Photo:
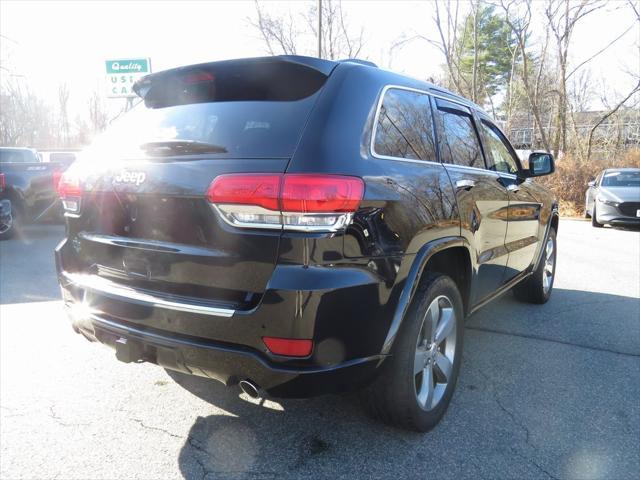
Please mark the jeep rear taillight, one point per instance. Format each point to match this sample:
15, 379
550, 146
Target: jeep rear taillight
69, 191
302, 202
3, 182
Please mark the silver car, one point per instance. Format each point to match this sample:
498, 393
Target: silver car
613, 198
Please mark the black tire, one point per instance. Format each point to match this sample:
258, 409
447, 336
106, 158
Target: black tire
393, 397
595, 222
532, 290
7, 233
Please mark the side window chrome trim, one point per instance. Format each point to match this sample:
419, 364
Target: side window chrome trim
473, 169
372, 149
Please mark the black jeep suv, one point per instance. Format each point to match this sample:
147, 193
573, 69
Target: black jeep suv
302, 226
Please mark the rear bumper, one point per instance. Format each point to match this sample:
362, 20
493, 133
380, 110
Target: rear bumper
226, 363
346, 321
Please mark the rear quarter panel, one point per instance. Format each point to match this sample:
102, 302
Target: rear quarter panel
406, 205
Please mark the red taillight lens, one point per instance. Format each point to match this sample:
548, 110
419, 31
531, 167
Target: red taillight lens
69, 191
3, 182
320, 203
290, 347
257, 189
321, 193
68, 186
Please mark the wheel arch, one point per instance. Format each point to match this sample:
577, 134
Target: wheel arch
555, 219
553, 222
450, 256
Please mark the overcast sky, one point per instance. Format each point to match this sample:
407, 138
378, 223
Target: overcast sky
49, 42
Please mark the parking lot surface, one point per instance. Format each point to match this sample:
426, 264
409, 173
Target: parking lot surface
548, 391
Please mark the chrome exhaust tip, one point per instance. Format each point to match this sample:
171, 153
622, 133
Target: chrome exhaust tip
250, 388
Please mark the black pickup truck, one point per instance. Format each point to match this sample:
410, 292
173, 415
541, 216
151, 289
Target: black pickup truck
27, 189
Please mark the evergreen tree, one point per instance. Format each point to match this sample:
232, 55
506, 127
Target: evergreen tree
486, 41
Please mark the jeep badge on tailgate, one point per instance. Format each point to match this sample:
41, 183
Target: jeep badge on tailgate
125, 176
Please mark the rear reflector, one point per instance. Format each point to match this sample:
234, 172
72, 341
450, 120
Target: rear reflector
320, 203
290, 347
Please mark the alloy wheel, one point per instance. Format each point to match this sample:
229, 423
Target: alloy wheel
435, 353
6, 225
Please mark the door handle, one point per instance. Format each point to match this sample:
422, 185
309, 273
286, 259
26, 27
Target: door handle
512, 187
465, 184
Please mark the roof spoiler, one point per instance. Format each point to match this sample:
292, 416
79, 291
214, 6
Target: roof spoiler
366, 63
142, 86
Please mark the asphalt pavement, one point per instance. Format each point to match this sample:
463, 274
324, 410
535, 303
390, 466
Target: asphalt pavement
548, 391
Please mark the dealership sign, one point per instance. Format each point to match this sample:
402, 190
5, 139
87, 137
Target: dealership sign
123, 73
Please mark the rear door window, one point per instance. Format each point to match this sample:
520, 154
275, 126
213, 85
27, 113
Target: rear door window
460, 145
405, 126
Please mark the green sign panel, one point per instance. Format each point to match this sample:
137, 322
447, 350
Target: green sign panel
123, 73
135, 65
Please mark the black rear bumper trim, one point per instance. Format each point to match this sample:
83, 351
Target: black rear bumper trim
176, 342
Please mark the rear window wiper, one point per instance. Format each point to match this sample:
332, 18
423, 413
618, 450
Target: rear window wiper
180, 147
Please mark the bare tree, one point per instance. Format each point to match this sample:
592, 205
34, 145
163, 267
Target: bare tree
279, 34
607, 115
337, 40
447, 20
25, 120
98, 117
63, 100
474, 69
282, 34
562, 17
518, 16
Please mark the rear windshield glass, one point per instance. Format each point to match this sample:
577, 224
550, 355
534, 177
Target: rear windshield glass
621, 179
229, 112
62, 157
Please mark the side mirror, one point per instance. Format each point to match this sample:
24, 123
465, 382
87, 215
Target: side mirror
592, 183
540, 163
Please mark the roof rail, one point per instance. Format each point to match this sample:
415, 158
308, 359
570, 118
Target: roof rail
358, 61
